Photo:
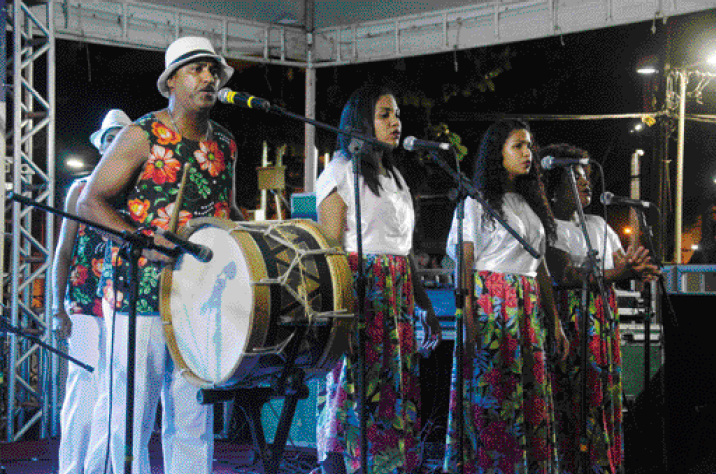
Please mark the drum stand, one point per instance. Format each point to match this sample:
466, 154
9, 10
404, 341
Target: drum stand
290, 386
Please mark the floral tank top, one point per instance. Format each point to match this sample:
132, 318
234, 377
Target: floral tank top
85, 270
150, 203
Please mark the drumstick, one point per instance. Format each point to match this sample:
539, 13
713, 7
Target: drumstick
174, 219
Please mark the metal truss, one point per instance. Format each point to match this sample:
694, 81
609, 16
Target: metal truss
148, 25
30, 171
145, 25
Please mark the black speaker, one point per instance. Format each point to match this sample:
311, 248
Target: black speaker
672, 426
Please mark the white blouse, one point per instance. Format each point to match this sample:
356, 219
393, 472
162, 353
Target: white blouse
496, 250
570, 239
387, 220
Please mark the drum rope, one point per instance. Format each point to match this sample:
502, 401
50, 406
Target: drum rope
273, 231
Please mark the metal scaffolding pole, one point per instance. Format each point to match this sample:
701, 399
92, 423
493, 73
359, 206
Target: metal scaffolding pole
31, 157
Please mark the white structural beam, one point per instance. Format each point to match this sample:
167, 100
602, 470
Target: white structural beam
148, 26
484, 24
31, 159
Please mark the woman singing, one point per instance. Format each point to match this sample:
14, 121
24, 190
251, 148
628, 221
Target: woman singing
391, 352
507, 399
604, 387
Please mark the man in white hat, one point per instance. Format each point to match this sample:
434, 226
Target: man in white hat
140, 175
78, 312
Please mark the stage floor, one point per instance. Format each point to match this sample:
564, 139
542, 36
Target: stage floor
40, 457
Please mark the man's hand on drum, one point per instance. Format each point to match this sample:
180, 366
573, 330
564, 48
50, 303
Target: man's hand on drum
432, 334
156, 255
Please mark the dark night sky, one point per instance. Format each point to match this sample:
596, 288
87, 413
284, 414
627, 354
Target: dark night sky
582, 73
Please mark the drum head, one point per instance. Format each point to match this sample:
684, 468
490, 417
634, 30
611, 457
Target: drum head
211, 307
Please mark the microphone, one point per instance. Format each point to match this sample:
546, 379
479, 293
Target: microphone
608, 198
550, 162
243, 99
198, 251
412, 144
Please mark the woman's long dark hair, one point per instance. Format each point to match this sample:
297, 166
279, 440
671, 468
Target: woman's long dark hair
358, 116
491, 176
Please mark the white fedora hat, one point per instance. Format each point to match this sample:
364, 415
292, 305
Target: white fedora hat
115, 118
188, 49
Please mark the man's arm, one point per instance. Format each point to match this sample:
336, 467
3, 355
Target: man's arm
63, 257
115, 173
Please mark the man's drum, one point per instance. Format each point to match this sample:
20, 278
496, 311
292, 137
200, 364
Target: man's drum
232, 321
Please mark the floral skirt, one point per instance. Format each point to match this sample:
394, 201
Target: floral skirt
507, 398
392, 377
604, 387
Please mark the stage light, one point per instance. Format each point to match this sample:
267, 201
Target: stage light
627, 230
648, 65
75, 163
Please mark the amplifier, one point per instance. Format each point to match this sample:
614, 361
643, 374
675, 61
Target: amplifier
690, 279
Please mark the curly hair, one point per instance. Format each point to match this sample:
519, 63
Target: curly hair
491, 177
358, 116
553, 178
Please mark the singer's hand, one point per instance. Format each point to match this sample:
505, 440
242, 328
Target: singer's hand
157, 256
432, 334
637, 260
562, 343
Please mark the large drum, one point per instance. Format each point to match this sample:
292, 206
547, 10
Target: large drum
230, 322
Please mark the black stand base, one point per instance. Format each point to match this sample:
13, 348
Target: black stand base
250, 401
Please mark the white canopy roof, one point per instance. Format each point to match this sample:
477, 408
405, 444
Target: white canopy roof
346, 31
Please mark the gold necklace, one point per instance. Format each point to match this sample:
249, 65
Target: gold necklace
176, 127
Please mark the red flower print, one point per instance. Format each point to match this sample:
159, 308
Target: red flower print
161, 167
535, 410
511, 298
165, 135
495, 284
221, 210
138, 209
234, 150
97, 266
116, 259
164, 215
79, 275
508, 347
210, 158
108, 294
97, 308
485, 302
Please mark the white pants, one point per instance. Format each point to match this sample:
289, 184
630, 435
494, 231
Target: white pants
96, 457
78, 428
187, 426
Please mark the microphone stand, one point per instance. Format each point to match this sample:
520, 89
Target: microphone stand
137, 243
357, 146
361, 289
673, 321
5, 326
461, 291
